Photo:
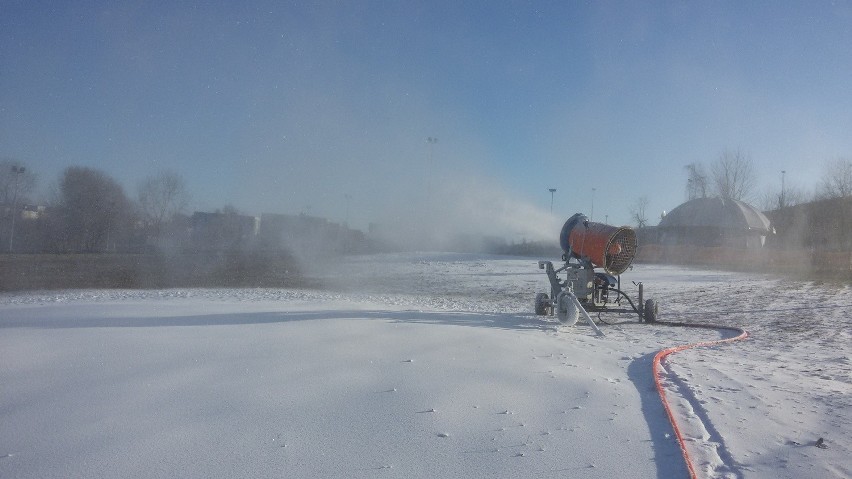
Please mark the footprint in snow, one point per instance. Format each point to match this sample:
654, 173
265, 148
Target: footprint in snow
386, 466
443, 434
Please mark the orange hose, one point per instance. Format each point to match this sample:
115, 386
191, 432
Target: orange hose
658, 379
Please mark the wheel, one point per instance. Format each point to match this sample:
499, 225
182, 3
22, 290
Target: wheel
652, 309
542, 303
566, 310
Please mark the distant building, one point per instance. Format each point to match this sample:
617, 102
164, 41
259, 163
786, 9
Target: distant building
23, 211
32, 212
222, 230
714, 222
308, 235
824, 225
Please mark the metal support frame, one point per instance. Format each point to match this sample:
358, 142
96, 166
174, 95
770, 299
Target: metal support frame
561, 288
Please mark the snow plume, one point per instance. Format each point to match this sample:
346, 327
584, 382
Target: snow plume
467, 212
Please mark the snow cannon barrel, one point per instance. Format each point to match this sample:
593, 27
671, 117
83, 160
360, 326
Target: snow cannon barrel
609, 247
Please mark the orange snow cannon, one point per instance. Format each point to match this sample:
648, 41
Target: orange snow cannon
611, 248
586, 246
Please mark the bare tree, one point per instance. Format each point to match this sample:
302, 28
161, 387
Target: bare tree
774, 198
836, 181
161, 197
95, 211
639, 212
696, 182
733, 175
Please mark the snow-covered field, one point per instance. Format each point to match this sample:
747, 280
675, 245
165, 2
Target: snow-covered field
427, 365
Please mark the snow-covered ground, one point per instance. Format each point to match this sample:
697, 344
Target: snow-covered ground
427, 365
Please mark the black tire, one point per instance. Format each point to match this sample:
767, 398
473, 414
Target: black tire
651, 311
542, 304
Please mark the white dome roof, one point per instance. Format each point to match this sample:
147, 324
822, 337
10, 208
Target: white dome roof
716, 212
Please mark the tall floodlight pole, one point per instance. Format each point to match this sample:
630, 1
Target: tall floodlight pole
16, 170
783, 199
431, 141
345, 230
427, 207
551, 190
347, 197
592, 216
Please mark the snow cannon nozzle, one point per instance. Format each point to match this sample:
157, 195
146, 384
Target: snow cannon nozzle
609, 247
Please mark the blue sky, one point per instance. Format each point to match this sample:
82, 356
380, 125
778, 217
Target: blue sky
289, 107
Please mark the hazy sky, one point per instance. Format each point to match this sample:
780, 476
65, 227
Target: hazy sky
291, 106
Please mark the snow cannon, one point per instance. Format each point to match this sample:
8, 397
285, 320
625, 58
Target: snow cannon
587, 245
611, 248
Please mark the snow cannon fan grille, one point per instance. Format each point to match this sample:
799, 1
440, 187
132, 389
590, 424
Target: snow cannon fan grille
609, 247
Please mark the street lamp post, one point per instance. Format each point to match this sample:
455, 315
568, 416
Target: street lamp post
16, 170
551, 190
783, 199
592, 216
430, 167
431, 141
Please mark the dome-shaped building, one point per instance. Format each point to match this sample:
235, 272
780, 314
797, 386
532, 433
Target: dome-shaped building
714, 222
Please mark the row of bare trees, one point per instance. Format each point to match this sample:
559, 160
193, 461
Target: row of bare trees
732, 175
88, 211
836, 181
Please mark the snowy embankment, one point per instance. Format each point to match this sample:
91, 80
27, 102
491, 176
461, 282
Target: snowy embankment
422, 366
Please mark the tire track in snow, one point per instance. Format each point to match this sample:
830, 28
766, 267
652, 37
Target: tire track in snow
719, 461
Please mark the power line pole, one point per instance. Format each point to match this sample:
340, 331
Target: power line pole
16, 170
